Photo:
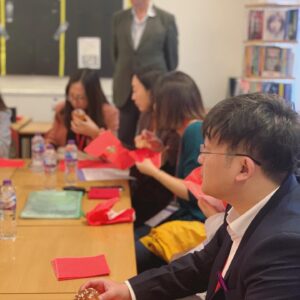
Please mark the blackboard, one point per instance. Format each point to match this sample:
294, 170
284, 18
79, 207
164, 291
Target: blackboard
31, 48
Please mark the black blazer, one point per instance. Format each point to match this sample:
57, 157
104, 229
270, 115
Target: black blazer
265, 266
158, 49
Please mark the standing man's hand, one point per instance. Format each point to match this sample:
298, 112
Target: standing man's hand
108, 289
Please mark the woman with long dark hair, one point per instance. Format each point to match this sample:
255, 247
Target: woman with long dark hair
84, 113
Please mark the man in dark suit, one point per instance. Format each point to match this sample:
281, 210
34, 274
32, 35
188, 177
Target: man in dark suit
251, 149
143, 37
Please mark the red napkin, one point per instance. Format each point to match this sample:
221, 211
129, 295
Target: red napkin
80, 267
103, 193
103, 214
85, 164
193, 182
107, 145
11, 163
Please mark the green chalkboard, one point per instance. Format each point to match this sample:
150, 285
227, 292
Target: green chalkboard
31, 47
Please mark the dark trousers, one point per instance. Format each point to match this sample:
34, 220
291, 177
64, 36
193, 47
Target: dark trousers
129, 115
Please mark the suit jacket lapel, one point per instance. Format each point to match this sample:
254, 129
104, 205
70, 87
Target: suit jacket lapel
148, 28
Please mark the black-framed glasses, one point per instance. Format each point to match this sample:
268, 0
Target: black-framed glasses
203, 151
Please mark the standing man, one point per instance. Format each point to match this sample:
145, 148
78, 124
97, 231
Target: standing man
143, 37
251, 149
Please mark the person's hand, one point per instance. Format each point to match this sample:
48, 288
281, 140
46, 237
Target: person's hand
147, 167
87, 127
148, 139
108, 289
208, 209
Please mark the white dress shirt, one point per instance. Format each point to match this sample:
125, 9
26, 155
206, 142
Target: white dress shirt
138, 26
238, 224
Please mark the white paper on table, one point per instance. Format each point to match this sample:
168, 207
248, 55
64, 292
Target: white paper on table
91, 174
89, 52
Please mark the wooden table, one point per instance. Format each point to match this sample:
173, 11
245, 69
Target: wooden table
26, 261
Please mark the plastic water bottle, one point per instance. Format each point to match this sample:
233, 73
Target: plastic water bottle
50, 163
8, 226
71, 163
37, 152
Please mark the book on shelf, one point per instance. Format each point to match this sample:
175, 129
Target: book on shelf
276, 24
272, 63
291, 25
244, 86
255, 29
268, 61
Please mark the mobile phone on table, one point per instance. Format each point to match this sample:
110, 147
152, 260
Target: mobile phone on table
74, 188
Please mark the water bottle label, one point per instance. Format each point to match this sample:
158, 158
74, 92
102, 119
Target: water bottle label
9, 203
38, 148
71, 156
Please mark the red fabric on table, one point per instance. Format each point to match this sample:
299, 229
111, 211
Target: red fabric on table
80, 267
103, 193
11, 163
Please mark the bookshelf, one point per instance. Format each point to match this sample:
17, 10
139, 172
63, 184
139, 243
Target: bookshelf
271, 50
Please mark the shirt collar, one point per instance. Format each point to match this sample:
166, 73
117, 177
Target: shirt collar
150, 13
238, 224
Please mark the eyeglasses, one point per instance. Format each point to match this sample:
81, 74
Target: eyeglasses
203, 151
77, 98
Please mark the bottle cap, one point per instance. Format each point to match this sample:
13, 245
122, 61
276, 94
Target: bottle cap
6, 182
49, 146
71, 142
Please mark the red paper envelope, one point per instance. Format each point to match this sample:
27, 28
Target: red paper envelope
140, 154
103, 193
103, 215
11, 163
193, 182
106, 143
80, 267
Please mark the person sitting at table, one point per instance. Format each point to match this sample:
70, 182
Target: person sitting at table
178, 107
5, 132
84, 113
148, 195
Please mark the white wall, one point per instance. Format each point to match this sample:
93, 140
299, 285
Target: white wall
211, 34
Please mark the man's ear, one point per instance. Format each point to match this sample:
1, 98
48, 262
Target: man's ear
247, 168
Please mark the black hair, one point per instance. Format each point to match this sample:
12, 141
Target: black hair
177, 100
95, 96
260, 125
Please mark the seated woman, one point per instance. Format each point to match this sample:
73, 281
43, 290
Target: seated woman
5, 133
179, 107
148, 195
83, 93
